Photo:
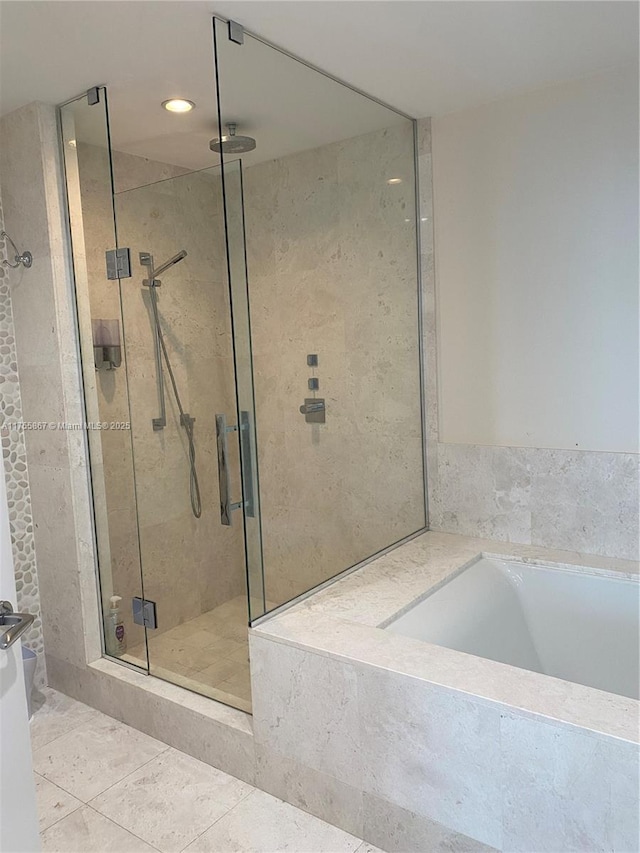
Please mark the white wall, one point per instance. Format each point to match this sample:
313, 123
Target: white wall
536, 252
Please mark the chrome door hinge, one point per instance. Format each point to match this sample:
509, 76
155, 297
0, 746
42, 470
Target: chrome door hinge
144, 612
236, 32
93, 95
118, 263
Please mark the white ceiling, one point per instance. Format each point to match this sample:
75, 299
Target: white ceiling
423, 57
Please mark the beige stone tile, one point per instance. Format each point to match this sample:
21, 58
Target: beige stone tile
228, 628
217, 672
53, 802
94, 756
239, 684
171, 800
241, 654
226, 693
263, 824
305, 708
168, 668
59, 715
172, 652
86, 831
397, 829
314, 792
434, 753
583, 786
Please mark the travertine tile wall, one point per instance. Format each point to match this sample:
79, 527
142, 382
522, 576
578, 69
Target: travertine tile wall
16, 472
332, 271
45, 338
577, 500
189, 565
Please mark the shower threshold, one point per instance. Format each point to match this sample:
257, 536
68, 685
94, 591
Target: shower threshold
208, 654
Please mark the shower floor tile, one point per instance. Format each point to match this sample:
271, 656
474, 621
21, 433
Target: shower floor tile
170, 802
208, 654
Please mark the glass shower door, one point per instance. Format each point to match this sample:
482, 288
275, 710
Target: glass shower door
86, 150
185, 433
152, 253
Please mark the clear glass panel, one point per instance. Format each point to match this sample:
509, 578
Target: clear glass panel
277, 276
237, 260
156, 481
328, 196
181, 376
87, 162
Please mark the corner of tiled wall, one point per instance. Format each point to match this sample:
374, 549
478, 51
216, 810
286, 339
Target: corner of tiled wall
14, 455
427, 272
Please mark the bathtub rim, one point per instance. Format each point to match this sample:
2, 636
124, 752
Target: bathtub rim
532, 562
324, 625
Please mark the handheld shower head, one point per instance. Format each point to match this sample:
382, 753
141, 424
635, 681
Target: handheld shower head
146, 259
174, 260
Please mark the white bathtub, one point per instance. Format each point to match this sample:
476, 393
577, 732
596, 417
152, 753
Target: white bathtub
575, 625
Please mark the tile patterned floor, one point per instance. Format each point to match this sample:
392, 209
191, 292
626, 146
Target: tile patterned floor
208, 654
106, 788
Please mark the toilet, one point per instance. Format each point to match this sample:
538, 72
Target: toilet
29, 661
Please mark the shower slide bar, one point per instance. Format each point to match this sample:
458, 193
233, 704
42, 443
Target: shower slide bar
147, 260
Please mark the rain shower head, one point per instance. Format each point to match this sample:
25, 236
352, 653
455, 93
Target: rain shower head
231, 143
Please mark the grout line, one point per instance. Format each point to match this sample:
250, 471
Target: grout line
144, 764
72, 729
79, 806
218, 819
111, 820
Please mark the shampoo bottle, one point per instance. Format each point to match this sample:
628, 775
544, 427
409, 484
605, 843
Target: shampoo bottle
115, 639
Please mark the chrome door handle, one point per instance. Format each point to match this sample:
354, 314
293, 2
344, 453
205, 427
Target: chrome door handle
226, 505
12, 625
246, 451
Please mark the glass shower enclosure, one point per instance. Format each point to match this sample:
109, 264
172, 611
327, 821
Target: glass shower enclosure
249, 327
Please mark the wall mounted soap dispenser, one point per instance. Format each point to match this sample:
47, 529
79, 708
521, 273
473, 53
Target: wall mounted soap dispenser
107, 350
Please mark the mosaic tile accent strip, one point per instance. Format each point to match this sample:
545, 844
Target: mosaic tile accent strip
14, 455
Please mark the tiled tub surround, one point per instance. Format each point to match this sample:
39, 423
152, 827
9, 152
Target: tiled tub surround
415, 746
585, 501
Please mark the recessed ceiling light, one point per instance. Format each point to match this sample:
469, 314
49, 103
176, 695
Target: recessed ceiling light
394, 181
178, 105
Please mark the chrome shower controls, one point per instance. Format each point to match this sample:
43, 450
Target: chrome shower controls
313, 410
